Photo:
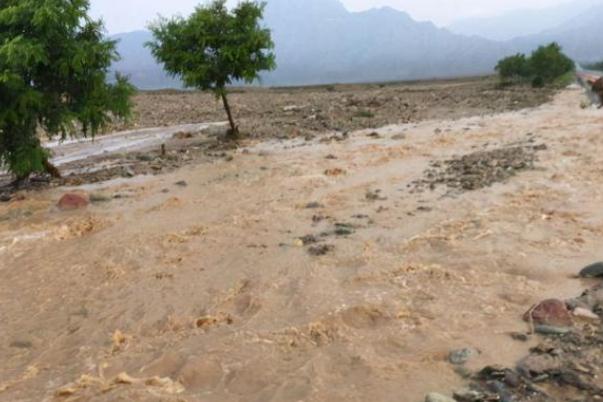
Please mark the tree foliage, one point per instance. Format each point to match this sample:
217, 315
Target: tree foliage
53, 66
545, 65
215, 47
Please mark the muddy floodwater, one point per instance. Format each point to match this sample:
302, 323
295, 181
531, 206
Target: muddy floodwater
300, 270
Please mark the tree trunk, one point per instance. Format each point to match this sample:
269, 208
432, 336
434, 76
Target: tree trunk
52, 169
234, 130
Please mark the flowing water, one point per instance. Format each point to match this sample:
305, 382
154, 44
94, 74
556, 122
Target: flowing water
207, 293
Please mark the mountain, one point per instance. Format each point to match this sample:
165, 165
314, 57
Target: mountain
521, 23
320, 41
580, 36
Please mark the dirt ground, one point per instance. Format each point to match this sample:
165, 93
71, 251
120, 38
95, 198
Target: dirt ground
292, 112
304, 269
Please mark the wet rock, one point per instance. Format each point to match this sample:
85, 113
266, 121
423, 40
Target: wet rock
551, 330
435, 397
585, 314
591, 299
71, 201
462, 356
468, 395
535, 365
551, 312
479, 169
98, 198
374, 195
519, 336
320, 250
592, 271
308, 239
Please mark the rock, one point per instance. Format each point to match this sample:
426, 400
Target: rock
462, 356
181, 183
519, 336
468, 395
591, 299
585, 314
71, 201
592, 271
5, 197
551, 330
323, 249
551, 312
535, 365
314, 205
435, 397
99, 197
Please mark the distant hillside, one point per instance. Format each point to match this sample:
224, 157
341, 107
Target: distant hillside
519, 23
581, 36
319, 41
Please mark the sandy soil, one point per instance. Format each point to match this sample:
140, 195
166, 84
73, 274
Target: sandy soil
211, 291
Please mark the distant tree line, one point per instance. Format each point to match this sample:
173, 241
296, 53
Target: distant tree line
594, 66
544, 66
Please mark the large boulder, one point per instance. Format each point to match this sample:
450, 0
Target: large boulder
71, 201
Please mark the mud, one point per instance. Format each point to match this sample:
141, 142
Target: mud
163, 292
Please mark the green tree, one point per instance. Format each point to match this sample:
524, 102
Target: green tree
53, 66
549, 63
215, 47
514, 68
544, 66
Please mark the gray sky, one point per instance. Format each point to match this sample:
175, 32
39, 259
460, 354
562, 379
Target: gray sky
129, 15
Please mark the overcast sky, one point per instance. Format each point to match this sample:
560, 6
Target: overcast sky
129, 15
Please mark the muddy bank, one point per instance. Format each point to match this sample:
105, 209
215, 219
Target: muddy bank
301, 269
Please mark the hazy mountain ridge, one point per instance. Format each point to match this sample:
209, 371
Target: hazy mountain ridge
319, 41
520, 23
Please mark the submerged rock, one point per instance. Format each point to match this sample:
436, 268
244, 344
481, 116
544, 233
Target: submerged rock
71, 201
462, 356
592, 271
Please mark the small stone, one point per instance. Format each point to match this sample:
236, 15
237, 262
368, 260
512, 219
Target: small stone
592, 271
5, 197
585, 314
314, 205
435, 397
97, 197
551, 312
519, 336
462, 356
468, 395
71, 201
320, 250
181, 183
551, 330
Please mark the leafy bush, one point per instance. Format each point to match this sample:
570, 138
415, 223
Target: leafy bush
544, 66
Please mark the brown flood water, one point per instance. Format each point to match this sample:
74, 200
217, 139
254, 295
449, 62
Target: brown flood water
205, 293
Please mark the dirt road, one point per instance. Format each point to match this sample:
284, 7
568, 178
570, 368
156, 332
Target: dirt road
300, 270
